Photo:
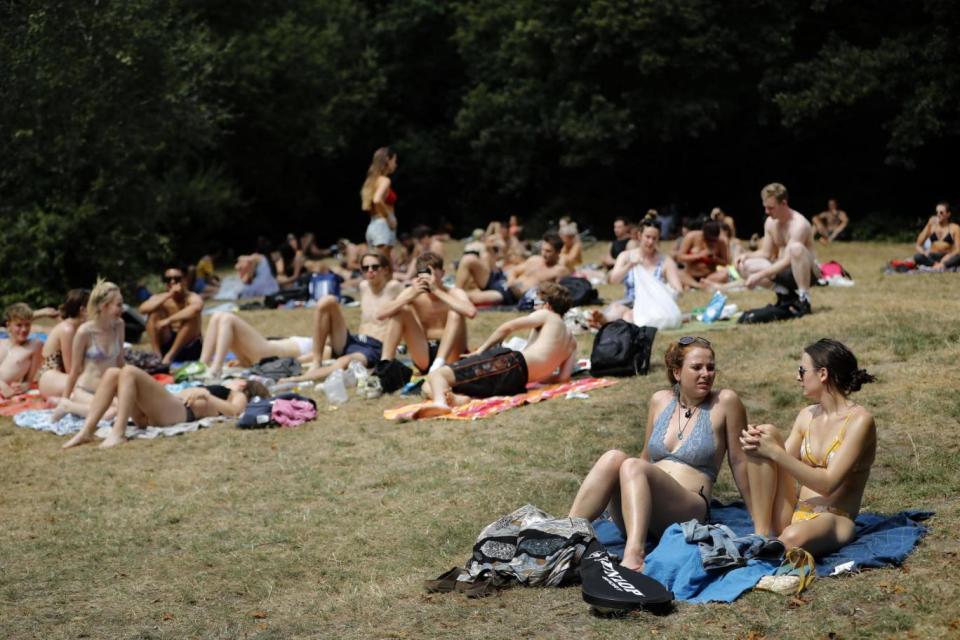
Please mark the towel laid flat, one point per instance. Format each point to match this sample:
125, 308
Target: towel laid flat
881, 541
483, 407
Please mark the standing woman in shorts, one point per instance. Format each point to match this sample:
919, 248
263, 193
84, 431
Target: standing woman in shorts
378, 198
828, 454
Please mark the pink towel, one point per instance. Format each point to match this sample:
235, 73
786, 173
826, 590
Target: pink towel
290, 413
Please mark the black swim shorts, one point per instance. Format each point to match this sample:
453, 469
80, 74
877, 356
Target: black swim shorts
497, 372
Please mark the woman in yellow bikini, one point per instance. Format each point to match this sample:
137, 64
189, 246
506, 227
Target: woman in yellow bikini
828, 454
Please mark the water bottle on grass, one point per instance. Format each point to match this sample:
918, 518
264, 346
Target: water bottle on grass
714, 307
334, 388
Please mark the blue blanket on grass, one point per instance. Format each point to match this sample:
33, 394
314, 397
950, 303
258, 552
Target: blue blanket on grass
880, 541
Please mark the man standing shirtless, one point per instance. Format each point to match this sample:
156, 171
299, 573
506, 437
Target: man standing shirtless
549, 356
785, 259
173, 319
429, 317
376, 290
526, 276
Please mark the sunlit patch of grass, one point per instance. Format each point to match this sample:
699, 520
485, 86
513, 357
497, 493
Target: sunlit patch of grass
328, 529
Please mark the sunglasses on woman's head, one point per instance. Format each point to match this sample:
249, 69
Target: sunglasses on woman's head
370, 267
686, 341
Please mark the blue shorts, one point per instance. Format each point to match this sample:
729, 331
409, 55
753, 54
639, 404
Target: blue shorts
498, 283
379, 233
369, 348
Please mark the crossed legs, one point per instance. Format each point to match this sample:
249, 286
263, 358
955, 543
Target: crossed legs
228, 332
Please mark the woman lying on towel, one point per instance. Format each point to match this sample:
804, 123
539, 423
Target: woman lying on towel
828, 453
228, 332
689, 430
149, 403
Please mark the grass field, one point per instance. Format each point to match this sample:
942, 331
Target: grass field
328, 529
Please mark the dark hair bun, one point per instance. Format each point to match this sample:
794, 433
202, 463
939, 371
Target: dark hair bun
859, 378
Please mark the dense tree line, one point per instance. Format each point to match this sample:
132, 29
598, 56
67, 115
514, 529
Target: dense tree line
140, 131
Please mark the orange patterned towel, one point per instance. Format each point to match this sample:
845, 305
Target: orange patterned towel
483, 407
29, 400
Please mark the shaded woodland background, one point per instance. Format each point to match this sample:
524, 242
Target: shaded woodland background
142, 131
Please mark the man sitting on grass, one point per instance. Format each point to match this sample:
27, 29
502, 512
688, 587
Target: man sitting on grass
549, 356
173, 319
429, 317
376, 290
19, 355
500, 289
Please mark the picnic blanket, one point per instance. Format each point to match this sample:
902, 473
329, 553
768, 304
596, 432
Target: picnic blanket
23, 401
40, 420
880, 541
483, 407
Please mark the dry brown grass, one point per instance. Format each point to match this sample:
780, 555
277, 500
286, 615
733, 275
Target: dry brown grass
328, 529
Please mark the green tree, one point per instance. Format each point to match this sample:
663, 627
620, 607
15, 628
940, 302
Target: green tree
105, 121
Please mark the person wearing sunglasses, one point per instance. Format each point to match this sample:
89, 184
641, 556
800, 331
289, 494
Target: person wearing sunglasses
828, 453
173, 319
429, 317
690, 429
329, 326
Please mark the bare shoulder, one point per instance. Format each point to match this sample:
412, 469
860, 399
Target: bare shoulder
862, 419
729, 398
393, 288
661, 398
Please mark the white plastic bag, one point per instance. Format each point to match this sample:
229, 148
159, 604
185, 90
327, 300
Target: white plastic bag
653, 306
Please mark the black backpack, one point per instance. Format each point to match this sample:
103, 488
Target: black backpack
622, 348
581, 291
393, 375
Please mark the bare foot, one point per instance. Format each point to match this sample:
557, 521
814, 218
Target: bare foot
634, 563
112, 441
456, 400
79, 439
59, 412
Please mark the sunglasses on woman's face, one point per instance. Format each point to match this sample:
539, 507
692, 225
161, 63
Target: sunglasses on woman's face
370, 267
686, 341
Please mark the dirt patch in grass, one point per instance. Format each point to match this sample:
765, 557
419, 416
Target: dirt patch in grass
328, 529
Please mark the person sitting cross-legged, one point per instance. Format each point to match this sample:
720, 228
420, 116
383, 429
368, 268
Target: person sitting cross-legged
549, 356
429, 317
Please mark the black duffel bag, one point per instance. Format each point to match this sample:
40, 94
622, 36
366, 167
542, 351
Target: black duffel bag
622, 348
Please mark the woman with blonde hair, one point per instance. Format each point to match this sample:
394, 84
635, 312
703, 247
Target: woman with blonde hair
690, 428
97, 346
148, 403
378, 199
58, 348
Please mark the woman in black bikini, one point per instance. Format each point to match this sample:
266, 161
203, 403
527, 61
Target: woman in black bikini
944, 237
148, 402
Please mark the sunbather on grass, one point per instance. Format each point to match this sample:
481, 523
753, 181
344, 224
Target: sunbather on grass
690, 428
229, 332
148, 403
828, 453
